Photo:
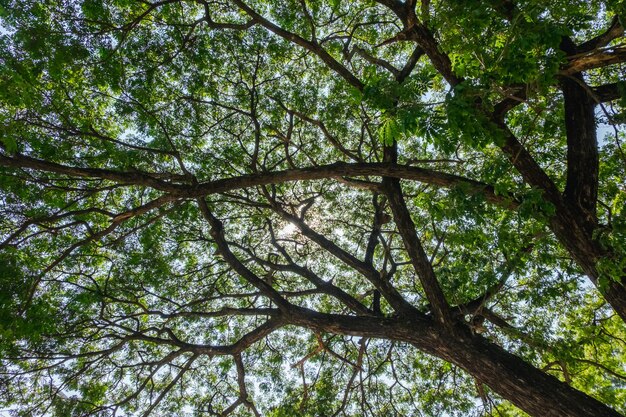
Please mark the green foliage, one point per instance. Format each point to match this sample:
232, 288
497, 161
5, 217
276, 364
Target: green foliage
390, 131
116, 114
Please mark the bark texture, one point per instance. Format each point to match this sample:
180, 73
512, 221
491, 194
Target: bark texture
529, 388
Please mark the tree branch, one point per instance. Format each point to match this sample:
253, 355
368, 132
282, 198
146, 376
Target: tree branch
336, 170
390, 293
597, 58
606, 92
298, 40
419, 259
614, 31
217, 232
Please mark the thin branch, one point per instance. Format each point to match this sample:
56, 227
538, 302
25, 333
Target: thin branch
311, 46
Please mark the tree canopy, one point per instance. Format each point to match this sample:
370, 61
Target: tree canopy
312, 208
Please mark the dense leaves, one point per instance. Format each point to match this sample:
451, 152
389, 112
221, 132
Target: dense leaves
312, 208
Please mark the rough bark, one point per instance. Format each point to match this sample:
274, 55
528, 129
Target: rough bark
529, 388
581, 189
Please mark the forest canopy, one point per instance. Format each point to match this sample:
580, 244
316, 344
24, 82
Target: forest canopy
312, 208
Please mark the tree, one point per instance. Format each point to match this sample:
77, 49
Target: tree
312, 208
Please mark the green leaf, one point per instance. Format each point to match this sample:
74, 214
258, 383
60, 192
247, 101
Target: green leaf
389, 131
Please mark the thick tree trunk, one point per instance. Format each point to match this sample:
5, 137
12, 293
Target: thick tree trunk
575, 220
581, 189
572, 225
527, 387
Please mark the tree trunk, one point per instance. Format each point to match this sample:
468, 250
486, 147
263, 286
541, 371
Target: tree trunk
573, 226
581, 190
583, 163
515, 380
530, 389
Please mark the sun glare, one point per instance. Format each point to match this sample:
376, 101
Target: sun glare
288, 229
